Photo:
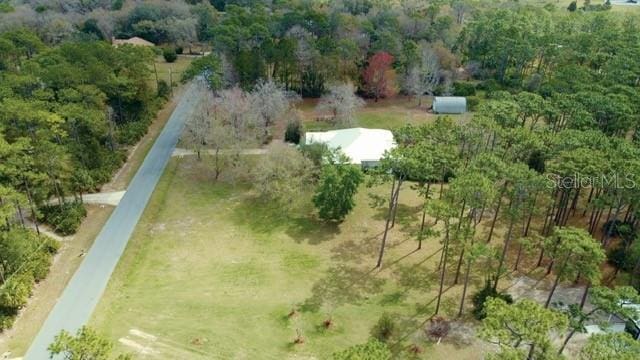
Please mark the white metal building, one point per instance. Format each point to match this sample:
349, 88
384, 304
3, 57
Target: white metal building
449, 105
363, 146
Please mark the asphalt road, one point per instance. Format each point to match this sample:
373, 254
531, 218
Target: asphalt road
74, 308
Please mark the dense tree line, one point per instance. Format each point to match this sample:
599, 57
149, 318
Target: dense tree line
66, 113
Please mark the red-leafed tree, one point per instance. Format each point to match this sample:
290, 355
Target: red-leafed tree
379, 77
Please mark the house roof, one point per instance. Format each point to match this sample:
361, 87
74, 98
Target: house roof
132, 41
359, 144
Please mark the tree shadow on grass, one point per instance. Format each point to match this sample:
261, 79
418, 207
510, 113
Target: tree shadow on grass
343, 285
265, 218
357, 251
405, 214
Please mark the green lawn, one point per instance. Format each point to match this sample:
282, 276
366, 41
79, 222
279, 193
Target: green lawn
384, 114
213, 273
170, 71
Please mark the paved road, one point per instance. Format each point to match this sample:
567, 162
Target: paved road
74, 308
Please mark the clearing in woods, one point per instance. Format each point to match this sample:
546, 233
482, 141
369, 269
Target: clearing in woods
213, 271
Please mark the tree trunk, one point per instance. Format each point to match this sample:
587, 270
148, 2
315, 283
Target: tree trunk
424, 215
515, 267
566, 341
540, 257
394, 193
20, 214
504, 253
588, 201
455, 282
556, 281
33, 209
445, 249
395, 205
495, 216
583, 300
464, 288
607, 234
217, 165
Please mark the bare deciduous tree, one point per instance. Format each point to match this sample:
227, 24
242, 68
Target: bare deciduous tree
341, 103
423, 77
269, 102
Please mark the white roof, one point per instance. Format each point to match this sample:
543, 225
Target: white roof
359, 144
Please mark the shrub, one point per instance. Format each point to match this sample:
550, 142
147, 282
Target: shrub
618, 228
371, 350
129, 133
169, 55
179, 50
385, 328
315, 152
164, 90
620, 259
293, 132
117, 5
6, 320
481, 297
489, 86
65, 219
463, 88
472, 103
15, 292
5, 8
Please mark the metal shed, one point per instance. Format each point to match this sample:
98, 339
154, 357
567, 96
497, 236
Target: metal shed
449, 105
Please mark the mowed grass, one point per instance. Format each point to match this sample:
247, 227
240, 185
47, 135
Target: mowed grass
169, 72
214, 273
385, 114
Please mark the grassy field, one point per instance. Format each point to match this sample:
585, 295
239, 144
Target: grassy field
384, 114
213, 273
170, 71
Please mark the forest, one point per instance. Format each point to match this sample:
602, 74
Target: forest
545, 175
66, 113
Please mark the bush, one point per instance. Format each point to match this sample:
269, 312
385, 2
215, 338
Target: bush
179, 50
385, 328
164, 90
489, 86
481, 297
15, 293
293, 134
618, 228
6, 320
117, 5
472, 103
129, 133
371, 350
169, 55
463, 88
65, 219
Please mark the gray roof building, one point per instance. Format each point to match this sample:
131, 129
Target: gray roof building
449, 105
